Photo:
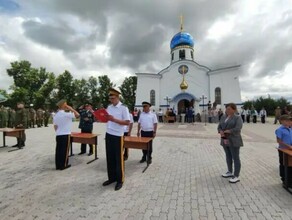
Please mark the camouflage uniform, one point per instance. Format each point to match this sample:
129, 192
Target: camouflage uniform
47, 116
39, 117
11, 118
32, 117
21, 122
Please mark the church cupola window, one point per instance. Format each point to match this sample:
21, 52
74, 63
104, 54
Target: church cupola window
218, 96
192, 55
172, 56
182, 54
152, 97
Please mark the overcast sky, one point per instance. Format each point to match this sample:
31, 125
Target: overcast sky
123, 37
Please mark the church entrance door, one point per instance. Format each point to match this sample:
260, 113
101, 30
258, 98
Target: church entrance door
183, 104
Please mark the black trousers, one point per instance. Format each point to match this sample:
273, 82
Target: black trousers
263, 119
83, 146
147, 134
62, 151
114, 157
282, 170
126, 150
248, 118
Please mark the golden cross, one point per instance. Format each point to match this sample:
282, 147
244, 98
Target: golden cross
181, 23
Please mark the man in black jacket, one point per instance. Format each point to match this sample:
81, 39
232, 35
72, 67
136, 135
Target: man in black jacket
86, 125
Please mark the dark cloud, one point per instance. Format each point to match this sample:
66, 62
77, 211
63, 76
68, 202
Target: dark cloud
137, 33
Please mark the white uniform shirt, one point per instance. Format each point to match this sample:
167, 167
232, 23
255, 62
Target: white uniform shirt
119, 112
126, 127
63, 120
147, 121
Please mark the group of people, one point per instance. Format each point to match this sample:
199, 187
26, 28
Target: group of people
251, 114
32, 117
119, 124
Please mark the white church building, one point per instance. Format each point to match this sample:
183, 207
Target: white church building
186, 83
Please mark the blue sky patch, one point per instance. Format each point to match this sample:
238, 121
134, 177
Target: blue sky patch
8, 6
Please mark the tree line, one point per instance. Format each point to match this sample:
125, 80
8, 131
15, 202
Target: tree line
42, 89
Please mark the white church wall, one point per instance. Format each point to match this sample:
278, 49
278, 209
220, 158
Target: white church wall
146, 84
228, 81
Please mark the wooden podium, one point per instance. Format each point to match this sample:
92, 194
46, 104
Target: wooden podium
84, 138
142, 143
11, 132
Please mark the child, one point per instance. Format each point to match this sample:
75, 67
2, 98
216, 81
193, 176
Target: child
284, 139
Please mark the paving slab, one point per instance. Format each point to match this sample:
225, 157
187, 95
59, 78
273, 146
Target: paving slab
183, 182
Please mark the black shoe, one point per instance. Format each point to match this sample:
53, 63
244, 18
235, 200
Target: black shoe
143, 160
106, 183
81, 153
90, 153
118, 186
16, 145
150, 161
66, 167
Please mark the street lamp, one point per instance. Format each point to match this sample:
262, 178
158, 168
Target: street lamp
168, 99
204, 97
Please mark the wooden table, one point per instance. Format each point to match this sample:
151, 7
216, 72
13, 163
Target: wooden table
287, 162
142, 143
11, 132
84, 138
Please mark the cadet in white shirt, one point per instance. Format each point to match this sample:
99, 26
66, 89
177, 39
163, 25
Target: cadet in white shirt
147, 125
118, 117
62, 124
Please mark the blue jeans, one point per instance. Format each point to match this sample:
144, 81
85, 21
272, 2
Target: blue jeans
232, 155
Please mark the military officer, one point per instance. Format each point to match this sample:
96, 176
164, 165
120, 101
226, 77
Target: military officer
118, 117
21, 122
86, 125
147, 127
62, 125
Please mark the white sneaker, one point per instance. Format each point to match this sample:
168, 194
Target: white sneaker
226, 175
234, 179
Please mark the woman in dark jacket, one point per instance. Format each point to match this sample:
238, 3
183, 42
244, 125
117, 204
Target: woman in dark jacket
229, 129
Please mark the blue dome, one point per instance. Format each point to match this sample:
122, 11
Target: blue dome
182, 38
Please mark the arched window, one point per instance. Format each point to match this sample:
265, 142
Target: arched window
172, 56
192, 55
218, 96
152, 97
182, 54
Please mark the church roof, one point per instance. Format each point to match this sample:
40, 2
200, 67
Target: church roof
182, 38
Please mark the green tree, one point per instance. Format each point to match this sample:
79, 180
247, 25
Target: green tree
105, 84
81, 93
28, 83
65, 88
128, 90
92, 84
27, 78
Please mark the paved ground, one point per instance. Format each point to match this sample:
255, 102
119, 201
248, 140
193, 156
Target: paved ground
183, 182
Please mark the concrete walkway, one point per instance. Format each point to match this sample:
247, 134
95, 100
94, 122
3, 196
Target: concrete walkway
183, 182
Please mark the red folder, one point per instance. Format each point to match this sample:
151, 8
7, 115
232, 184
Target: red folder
101, 115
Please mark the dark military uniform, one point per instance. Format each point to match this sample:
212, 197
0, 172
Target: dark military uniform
86, 126
47, 116
21, 122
